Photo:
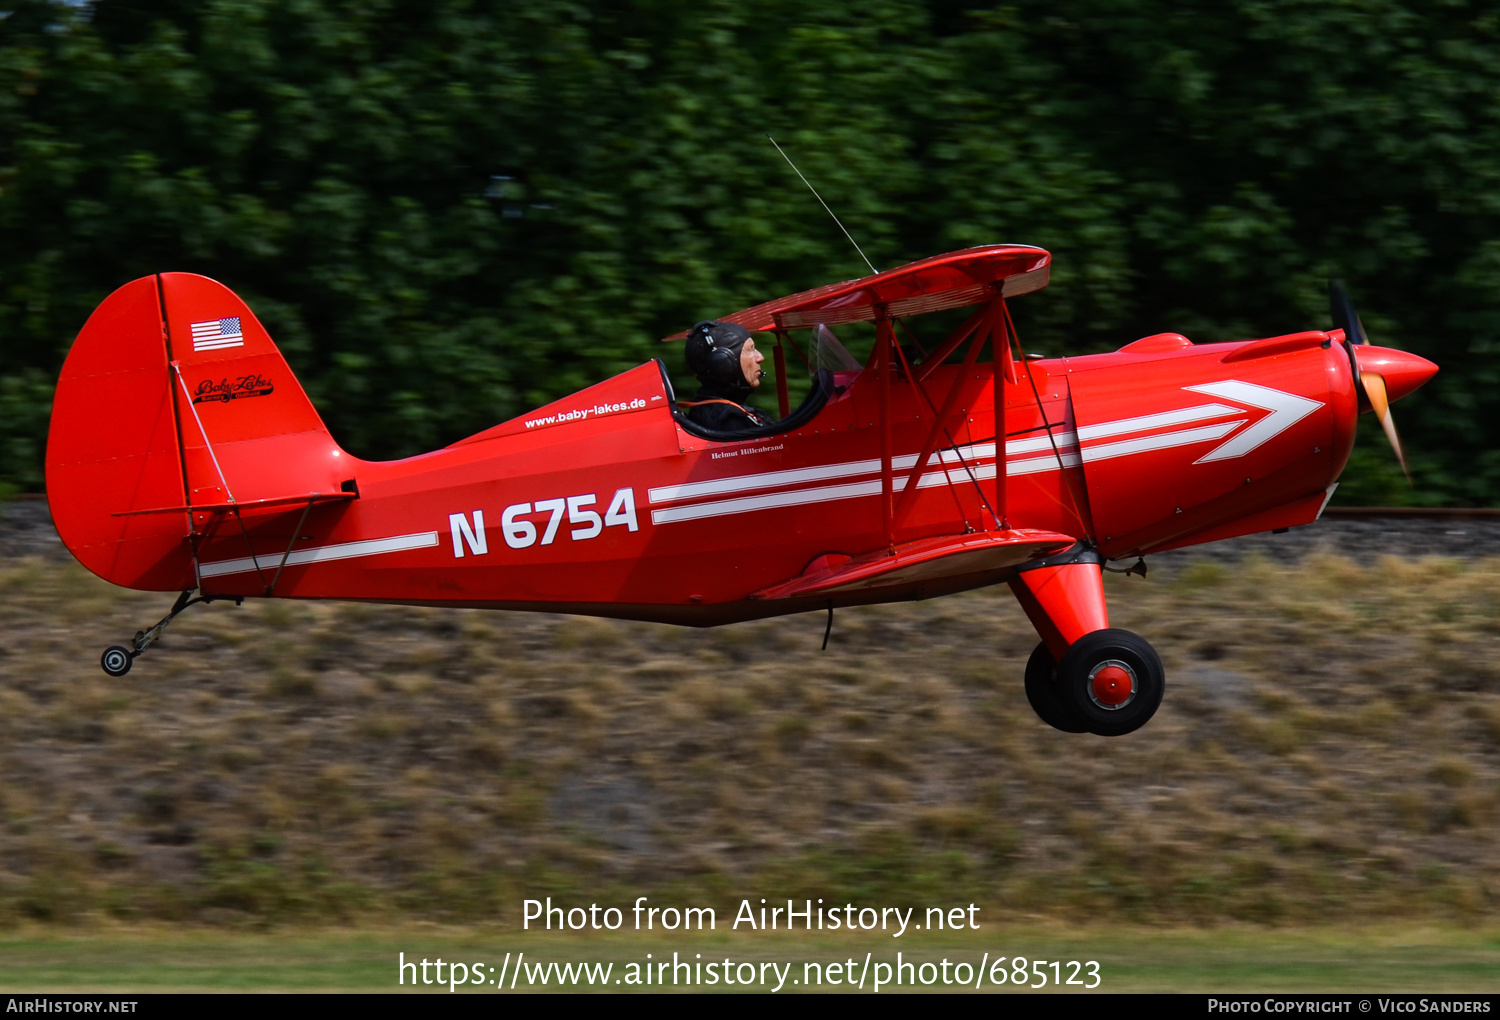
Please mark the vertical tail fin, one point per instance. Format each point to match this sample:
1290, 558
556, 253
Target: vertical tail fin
174, 396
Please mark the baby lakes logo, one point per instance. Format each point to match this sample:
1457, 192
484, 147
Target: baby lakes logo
226, 390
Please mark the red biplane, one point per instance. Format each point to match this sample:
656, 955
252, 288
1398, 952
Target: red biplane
185, 457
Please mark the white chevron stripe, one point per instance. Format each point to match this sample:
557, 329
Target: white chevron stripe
1287, 409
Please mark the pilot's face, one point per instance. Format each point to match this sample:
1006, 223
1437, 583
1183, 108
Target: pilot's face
750, 360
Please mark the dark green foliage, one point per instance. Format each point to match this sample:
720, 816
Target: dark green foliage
449, 212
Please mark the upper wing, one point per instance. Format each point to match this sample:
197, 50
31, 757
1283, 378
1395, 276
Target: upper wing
953, 280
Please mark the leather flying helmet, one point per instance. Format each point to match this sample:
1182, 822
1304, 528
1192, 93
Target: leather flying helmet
713, 353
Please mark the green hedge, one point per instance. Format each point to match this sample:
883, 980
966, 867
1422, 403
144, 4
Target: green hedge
447, 212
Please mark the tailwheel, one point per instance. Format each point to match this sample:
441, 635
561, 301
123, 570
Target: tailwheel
1113, 679
116, 660
1041, 691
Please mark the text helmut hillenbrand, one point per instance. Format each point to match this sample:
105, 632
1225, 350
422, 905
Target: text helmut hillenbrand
774, 915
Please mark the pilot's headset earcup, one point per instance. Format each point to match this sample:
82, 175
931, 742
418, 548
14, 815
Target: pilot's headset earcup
698, 348
713, 351
724, 362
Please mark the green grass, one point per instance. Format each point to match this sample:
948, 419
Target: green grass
1329, 750
1439, 959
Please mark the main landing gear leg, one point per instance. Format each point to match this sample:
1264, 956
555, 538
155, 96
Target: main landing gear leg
1084, 677
117, 659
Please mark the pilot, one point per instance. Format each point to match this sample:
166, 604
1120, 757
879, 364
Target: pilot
723, 357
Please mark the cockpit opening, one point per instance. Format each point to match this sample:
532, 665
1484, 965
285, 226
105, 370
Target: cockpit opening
727, 365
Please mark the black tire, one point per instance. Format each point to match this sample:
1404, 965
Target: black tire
116, 660
1041, 691
1093, 677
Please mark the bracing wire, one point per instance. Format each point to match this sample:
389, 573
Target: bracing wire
1056, 451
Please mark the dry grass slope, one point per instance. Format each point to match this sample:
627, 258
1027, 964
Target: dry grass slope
1329, 750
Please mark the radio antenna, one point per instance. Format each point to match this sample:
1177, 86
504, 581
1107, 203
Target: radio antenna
819, 197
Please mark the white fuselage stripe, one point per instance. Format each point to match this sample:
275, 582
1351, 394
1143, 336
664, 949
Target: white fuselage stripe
1165, 441
955, 466
827, 472
1035, 464
342, 551
764, 480
853, 490
1156, 421
1062, 440
745, 504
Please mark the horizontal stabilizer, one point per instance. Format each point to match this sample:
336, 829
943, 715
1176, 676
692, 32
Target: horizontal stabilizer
254, 504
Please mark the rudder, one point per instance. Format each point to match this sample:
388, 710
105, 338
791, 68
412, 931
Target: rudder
173, 396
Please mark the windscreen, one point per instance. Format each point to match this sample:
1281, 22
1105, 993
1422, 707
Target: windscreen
827, 354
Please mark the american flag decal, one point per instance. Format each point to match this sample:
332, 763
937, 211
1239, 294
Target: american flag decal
217, 333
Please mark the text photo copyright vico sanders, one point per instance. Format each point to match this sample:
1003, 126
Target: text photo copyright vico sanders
1388, 1004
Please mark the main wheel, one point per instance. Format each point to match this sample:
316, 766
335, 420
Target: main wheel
1113, 679
116, 660
1041, 691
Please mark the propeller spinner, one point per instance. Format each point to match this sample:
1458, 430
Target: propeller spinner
1383, 374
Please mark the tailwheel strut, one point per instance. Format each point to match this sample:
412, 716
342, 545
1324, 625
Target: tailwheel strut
117, 659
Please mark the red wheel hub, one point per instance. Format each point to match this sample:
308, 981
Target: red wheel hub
1112, 684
